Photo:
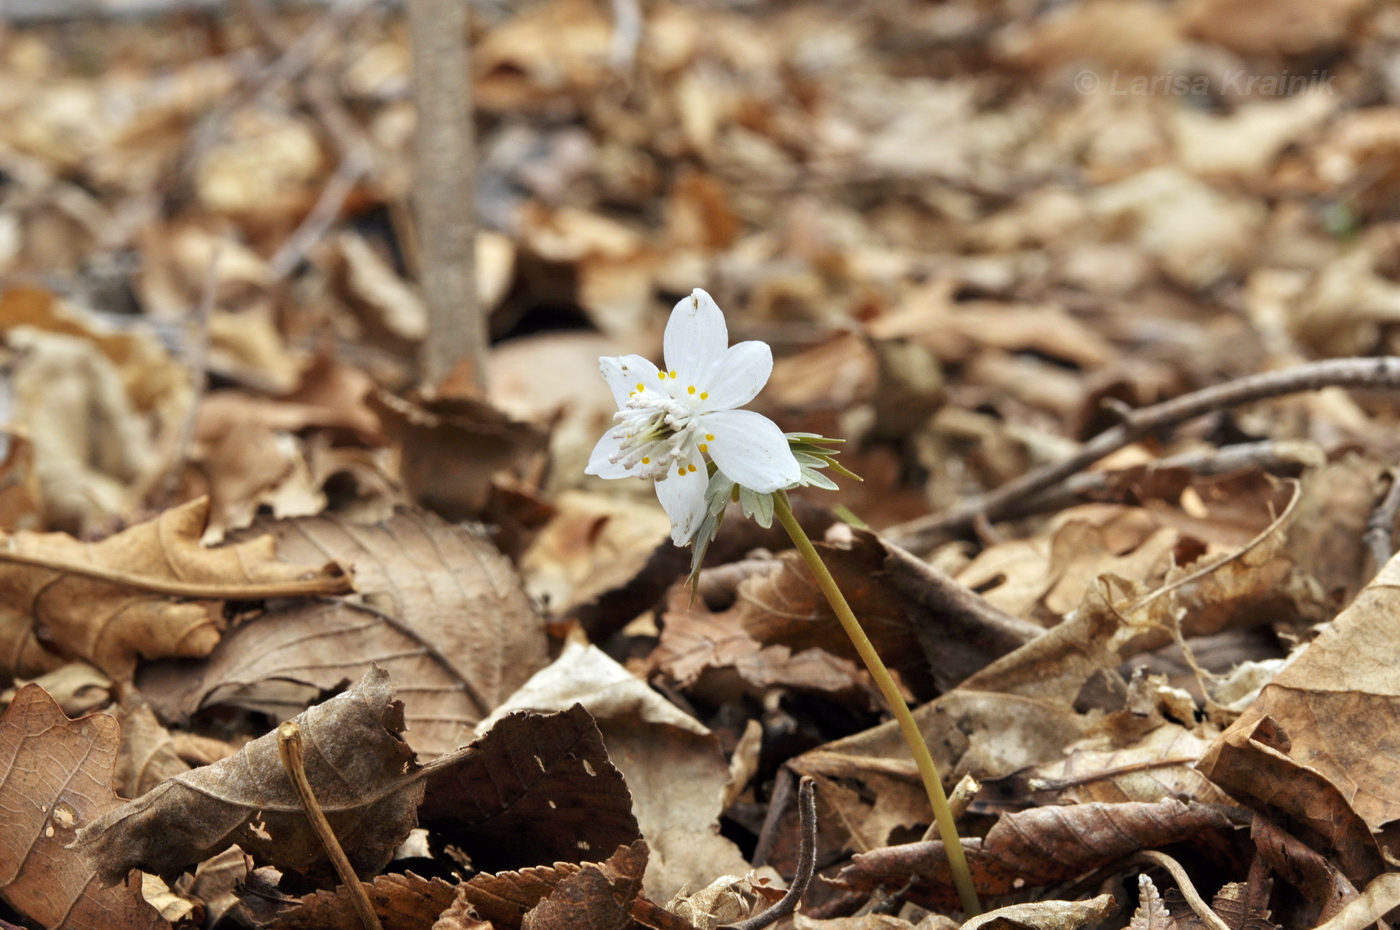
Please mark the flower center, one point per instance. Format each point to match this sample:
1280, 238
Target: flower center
658, 433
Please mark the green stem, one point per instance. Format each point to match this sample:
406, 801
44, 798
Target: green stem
908, 728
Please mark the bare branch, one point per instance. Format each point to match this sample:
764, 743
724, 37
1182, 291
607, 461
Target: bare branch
1359, 373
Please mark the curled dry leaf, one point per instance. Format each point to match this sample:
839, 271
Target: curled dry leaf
150, 591
1037, 847
56, 777
362, 772
451, 447
444, 614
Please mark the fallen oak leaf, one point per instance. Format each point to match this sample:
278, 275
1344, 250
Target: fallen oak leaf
363, 774
112, 601
56, 776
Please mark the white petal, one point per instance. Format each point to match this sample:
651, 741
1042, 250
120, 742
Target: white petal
683, 497
750, 448
623, 373
598, 463
737, 376
695, 337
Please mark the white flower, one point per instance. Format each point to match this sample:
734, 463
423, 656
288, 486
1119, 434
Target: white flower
670, 420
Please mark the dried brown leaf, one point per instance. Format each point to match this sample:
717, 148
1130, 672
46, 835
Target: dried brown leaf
445, 614
1036, 847
1337, 778
674, 767
361, 770
56, 777
921, 621
451, 447
697, 647
503, 898
401, 902
1045, 915
1160, 765
150, 591
596, 897
535, 788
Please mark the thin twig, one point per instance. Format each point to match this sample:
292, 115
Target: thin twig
295, 58
322, 215
1380, 526
1183, 882
197, 360
806, 863
1270, 455
289, 747
1362, 373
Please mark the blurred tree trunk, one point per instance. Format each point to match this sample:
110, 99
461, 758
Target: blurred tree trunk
443, 200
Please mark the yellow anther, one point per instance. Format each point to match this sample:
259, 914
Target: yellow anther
680, 472
690, 390
690, 468
646, 460
673, 373
640, 386
661, 375
704, 395
704, 448
709, 437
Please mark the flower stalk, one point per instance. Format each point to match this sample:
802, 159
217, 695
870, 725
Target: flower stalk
908, 728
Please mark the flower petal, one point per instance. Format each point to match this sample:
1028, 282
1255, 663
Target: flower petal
750, 448
683, 497
737, 376
624, 372
598, 463
695, 337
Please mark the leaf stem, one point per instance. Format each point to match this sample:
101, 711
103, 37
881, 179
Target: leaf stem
908, 728
289, 747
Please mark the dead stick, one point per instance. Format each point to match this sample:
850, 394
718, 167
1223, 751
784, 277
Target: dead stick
806, 863
443, 202
289, 747
1373, 373
1270, 455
